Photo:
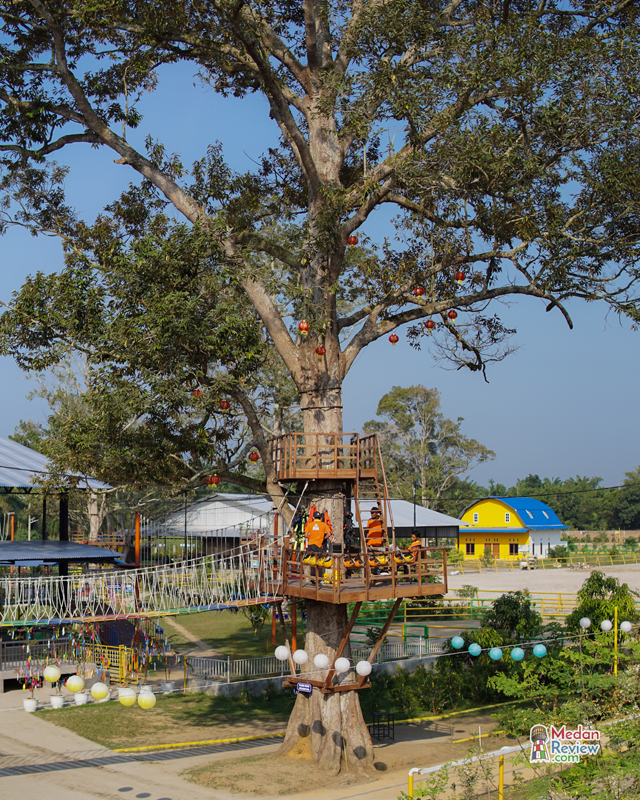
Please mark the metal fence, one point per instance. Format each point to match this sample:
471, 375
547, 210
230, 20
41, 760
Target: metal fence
243, 668
15, 655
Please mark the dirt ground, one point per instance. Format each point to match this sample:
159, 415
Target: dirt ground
423, 744
564, 579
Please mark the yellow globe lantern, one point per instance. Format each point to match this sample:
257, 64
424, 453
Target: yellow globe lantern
99, 691
52, 673
75, 683
146, 700
127, 697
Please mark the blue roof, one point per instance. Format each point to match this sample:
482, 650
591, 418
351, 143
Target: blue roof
535, 515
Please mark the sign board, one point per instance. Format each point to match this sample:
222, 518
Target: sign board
523, 548
305, 688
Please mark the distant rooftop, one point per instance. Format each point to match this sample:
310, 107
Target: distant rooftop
24, 468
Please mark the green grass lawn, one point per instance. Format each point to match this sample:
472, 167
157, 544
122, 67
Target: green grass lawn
229, 633
180, 718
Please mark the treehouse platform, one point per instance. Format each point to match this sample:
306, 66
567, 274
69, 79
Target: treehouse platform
384, 579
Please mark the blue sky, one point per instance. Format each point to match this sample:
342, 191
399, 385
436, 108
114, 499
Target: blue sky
563, 405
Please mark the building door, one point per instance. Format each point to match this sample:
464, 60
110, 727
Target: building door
496, 550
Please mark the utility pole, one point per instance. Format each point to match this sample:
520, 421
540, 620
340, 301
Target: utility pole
30, 521
415, 488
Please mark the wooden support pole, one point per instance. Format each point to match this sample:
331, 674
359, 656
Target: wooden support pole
343, 643
286, 640
383, 633
294, 625
273, 626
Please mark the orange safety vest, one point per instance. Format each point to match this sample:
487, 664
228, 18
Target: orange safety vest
318, 532
374, 533
414, 548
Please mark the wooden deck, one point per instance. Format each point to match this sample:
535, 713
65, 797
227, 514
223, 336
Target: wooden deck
340, 584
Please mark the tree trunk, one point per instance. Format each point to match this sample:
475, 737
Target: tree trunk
96, 511
328, 728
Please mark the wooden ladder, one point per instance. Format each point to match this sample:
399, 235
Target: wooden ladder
368, 488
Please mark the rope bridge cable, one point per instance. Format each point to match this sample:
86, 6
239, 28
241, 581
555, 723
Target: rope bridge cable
246, 575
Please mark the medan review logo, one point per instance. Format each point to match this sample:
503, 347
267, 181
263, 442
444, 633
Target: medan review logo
562, 745
539, 737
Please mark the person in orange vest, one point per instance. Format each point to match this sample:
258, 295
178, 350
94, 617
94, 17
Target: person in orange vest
375, 531
318, 533
415, 546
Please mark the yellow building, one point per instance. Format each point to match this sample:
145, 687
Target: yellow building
509, 527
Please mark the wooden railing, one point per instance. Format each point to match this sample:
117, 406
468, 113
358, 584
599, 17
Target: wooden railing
322, 455
380, 577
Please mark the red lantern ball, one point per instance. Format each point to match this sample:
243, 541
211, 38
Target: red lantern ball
394, 339
253, 457
452, 314
429, 325
418, 291
196, 392
320, 351
460, 276
213, 480
303, 327
352, 240
225, 405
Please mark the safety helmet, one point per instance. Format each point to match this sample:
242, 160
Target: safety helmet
373, 561
383, 561
325, 561
348, 562
398, 558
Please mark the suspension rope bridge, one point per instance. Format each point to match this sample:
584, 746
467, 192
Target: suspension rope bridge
246, 575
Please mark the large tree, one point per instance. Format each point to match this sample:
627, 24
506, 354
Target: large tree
512, 157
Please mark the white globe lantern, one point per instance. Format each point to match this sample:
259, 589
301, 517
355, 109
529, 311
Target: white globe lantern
127, 697
363, 668
585, 623
625, 627
342, 665
300, 657
146, 700
52, 673
99, 691
75, 683
282, 653
606, 625
321, 661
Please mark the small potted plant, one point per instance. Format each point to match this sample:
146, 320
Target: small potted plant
30, 680
52, 675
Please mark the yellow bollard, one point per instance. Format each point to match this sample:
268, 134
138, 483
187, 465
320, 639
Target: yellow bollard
501, 778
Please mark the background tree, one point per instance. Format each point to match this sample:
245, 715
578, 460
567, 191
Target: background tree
420, 445
513, 164
512, 615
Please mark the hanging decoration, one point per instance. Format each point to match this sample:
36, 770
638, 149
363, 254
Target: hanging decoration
254, 457
225, 405
418, 291
452, 315
429, 325
196, 392
320, 352
213, 480
352, 240
303, 327
394, 339
460, 277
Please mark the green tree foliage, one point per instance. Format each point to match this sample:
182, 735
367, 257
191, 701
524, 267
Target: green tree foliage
513, 616
598, 597
420, 445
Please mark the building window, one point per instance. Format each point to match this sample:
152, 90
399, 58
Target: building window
530, 514
546, 515
471, 549
513, 549
476, 517
533, 548
507, 517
